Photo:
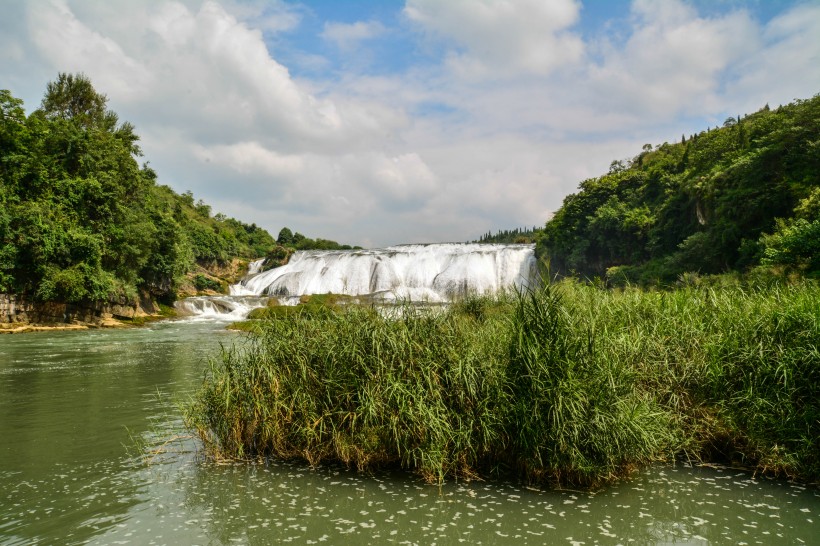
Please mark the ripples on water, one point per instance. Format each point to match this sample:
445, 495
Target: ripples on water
69, 472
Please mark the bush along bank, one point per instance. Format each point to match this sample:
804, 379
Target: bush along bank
568, 384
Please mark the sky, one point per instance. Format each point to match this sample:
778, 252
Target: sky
379, 122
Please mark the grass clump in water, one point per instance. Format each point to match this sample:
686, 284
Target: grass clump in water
352, 386
578, 416
567, 384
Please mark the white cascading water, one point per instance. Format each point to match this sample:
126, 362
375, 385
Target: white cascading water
233, 307
218, 307
434, 273
255, 267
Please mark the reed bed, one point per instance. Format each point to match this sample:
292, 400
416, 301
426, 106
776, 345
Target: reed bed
567, 384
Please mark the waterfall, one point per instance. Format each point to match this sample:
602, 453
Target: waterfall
234, 307
255, 266
219, 307
239, 289
435, 273
431, 273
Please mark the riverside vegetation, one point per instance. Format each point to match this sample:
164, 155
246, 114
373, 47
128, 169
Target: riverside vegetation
567, 384
81, 221
573, 383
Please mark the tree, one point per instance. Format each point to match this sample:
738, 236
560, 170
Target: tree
285, 237
72, 97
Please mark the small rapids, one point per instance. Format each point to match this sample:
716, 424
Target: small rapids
219, 307
434, 273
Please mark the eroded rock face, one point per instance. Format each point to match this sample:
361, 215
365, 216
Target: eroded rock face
15, 309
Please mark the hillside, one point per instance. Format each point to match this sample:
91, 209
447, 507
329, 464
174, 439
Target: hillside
726, 199
82, 221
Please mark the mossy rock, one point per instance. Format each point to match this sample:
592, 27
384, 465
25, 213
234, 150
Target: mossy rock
312, 306
327, 300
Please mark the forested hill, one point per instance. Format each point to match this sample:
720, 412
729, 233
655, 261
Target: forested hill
725, 199
80, 220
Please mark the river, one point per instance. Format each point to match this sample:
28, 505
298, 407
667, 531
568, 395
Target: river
82, 413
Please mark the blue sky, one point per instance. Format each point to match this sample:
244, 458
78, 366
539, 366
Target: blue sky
384, 122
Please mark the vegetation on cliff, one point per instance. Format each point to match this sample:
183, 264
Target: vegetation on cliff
726, 199
81, 220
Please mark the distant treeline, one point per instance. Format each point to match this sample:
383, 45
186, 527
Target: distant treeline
297, 241
509, 236
81, 220
727, 199
289, 242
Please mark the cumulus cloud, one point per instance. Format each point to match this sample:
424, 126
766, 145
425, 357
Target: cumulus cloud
673, 59
73, 46
206, 70
508, 111
251, 157
784, 67
497, 37
268, 15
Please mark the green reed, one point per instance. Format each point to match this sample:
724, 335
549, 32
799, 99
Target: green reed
568, 383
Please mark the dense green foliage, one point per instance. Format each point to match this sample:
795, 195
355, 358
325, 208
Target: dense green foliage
725, 199
289, 242
297, 241
511, 236
80, 220
570, 383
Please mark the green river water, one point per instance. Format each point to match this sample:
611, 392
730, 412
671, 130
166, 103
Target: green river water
81, 413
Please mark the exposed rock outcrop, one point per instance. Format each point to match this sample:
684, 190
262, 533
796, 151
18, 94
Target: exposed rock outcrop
18, 313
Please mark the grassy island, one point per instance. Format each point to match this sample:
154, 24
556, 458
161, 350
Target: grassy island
568, 384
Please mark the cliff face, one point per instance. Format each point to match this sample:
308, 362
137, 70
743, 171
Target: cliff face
211, 278
17, 312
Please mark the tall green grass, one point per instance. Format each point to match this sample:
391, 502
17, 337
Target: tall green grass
577, 414
736, 368
569, 384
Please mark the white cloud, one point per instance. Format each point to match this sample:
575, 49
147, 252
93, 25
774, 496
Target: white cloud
73, 47
251, 157
269, 15
673, 60
509, 111
206, 71
405, 180
502, 37
348, 35
785, 67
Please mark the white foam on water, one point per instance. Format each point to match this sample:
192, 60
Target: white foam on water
228, 308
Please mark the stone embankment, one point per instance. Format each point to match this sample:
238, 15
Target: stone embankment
20, 314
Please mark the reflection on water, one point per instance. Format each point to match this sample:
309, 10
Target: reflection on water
70, 402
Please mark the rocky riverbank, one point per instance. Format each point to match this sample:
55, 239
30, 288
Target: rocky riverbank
20, 314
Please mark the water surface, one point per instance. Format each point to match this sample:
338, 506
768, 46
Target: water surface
82, 413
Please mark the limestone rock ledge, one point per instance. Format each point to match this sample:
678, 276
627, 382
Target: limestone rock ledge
19, 314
